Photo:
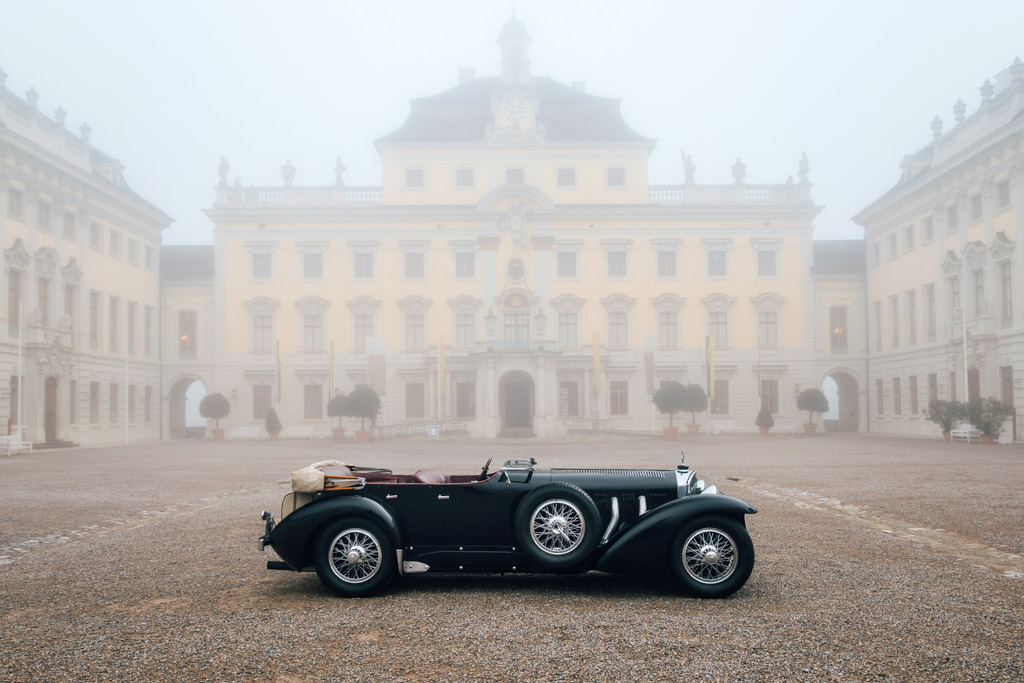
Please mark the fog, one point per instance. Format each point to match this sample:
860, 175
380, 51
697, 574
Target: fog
170, 88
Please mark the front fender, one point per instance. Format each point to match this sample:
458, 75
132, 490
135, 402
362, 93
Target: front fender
293, 538
643, 547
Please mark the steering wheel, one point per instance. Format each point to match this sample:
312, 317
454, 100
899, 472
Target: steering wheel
483, 472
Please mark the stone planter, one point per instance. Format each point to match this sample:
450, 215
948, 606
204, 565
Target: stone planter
218, 434
763, 430
362, 435
810, 429
945, 436
669, 433
339, 433
692, 428
274, 435
988, 438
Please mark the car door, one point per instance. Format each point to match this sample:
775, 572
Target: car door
467, 513
415, 508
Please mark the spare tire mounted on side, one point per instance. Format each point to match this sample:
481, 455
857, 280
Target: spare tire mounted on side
558, 525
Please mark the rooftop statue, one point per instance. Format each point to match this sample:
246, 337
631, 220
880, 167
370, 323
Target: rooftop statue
688, 167
222, 169
805, 168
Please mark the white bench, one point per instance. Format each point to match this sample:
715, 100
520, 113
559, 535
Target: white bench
14, 444
298, 433
964, 432
246, 433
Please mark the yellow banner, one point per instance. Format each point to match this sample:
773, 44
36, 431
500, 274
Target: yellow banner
440, 367
595, 342
709, 352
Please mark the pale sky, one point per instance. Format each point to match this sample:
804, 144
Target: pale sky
169, 88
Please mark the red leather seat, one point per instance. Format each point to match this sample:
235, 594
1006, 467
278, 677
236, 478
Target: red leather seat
430, 477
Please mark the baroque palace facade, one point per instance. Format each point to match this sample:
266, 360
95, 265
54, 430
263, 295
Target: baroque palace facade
516, 273
945, 252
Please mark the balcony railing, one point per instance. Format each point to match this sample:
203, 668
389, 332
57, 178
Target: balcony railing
408, 429
297, 196
788, 193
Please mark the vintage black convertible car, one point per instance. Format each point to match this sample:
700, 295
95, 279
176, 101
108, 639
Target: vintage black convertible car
363, 526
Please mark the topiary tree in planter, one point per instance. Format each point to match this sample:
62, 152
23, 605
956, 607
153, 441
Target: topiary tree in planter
812, 400
987, 414
764, 420
670, 399
363, 403
215, 406
337, 407
696, 401
946, 414
272, 424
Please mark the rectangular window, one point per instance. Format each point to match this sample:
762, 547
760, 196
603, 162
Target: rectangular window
1003, 194
262, 266
414, 265
930, 316
96, 236
877, 305
149, 257
465, 330
465, 265
927, 229
362, 265
568, 399
908, 238
94, 402
619, 398
894, 321
114, 403
910, 298
876, 253
517, 330
933, 387
897, 397
363, 328
133, 310
465, 177
133, 251
414, 177
70, 226
71, 310
954, 298
980, 306
313, 266
617, 264
43, 300
618, 330
73, 401
838, 334
312, 333
718, 328
952, 219
667, 263
131, 403
568, 331
766, 266
147, 332
115, 324
893, 247
147, 405
717, 265
115, 244
515, 176
414, 401
566, 177
952, 385
720, 403
95, 302
260, 401
1006, 292
415, 337
313, 402
465, 399
912, 386
262, 333
668, 330
768, 328
14, 303
567, 264
45, 216
976, 208
770, 395
879, 397
15, 203
616, 177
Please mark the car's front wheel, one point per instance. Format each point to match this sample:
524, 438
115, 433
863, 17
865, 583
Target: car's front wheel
354, 558
711, 557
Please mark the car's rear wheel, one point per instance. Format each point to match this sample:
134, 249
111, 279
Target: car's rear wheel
711, 557
558, 525
354, 558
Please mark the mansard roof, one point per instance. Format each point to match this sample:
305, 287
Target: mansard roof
462, 114
186, 262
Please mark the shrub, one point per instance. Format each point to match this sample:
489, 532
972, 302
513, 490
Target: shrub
812, 400
987, 414
214, 406
364, 403
273, 422
764, 418
670, 399
946, 414
696, 401
337, 407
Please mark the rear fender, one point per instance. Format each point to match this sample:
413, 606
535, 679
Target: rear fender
294, 537
643, 547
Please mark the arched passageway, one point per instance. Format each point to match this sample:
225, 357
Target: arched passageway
844, 407
516, 403
185, 420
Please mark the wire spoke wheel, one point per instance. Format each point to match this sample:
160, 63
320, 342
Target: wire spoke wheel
557, 526
355, 555
709, 555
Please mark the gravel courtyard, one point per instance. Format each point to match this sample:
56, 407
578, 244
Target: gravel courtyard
876, 558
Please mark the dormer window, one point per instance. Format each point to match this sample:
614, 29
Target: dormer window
414, 177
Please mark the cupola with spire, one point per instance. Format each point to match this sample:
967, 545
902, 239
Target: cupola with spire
514, 42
